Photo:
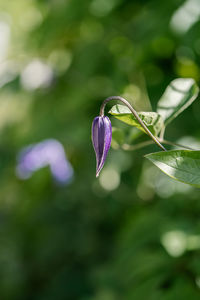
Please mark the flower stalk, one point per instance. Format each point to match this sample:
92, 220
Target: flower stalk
102, 132
118, 98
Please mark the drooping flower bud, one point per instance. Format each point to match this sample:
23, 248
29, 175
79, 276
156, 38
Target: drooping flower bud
101, 139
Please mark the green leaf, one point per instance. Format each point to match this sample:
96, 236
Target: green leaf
182, 165
178, 96
152, 120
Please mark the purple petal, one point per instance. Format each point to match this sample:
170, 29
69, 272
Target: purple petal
101, 138
49, 152
98, 138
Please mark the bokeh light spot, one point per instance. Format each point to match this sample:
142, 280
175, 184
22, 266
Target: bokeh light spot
174, 242
109, 179
101, 8
36, 75
60, 60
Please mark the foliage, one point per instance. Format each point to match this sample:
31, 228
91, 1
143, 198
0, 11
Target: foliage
178, 96
152, 120
180, 165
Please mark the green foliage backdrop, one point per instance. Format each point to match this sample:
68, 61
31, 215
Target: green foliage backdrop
133, 233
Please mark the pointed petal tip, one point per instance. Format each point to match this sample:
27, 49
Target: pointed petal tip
97, 173
98, 170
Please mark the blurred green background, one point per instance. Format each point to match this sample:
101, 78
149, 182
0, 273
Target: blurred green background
133, 233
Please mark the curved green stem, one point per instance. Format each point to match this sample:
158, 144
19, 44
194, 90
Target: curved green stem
128, 147
135, 115
147, 143
175, 144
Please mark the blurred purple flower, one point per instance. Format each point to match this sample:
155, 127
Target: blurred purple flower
101, 139
50, 153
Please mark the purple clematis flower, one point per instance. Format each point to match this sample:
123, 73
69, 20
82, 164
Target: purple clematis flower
101, 139
50, 153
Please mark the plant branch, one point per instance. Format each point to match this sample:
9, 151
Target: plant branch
135, 115
128, 147
147, 143
176, 145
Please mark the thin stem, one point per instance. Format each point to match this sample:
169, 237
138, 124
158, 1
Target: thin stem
136, 146
147, 143
135, 115
177, 145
